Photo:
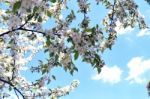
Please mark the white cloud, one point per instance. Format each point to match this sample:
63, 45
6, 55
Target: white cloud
137, 68
109, 74
145, 32
120, 30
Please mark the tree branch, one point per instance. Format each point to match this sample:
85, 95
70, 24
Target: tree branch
16, 93
44, 34
26, 21
16, 89
24, 29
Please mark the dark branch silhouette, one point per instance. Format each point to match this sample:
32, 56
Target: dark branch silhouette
16, 89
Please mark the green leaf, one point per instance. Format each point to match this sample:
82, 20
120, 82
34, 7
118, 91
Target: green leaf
76, 55
88, 30
71, 72
44, 71
45, 68
7, 2
69, 39
49, 80
11, 41
5, 17
48, 41
56, 57
53, 77
98, 70
53, 1
16, 6
10, 88
8, 11
40, 61
48, 13
40, 19
97, 57
46, 50
76, 69
35, 9
51, 54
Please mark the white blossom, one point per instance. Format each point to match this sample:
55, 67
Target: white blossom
14, 22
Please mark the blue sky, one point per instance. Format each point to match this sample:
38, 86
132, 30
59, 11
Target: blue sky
127, 67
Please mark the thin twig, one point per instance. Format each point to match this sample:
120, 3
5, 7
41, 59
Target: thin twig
16, 94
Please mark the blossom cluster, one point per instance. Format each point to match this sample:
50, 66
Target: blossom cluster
58, 92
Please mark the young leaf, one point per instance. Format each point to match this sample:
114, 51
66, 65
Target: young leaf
48, 13
40, 19
98, 70
53, 77
44, 71
75, 69
53, 1
16, 6
76, 55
